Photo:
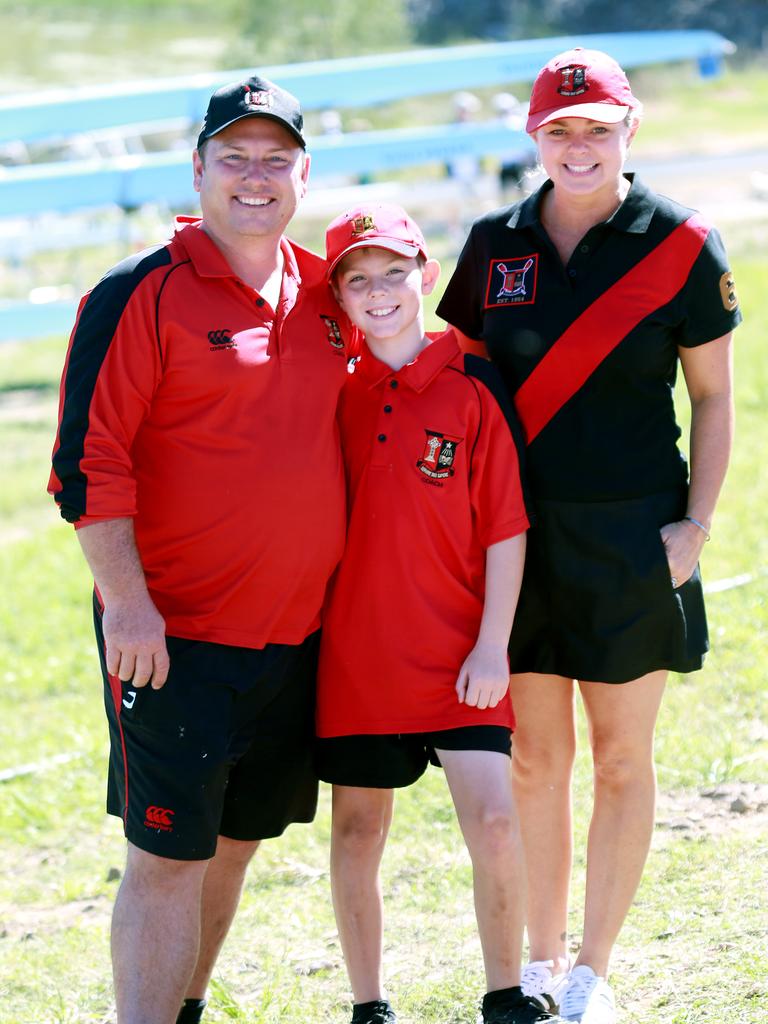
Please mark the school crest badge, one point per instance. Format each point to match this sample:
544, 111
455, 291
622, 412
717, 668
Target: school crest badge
512, 282
363, 223
334, 331
259, 98
574, 81
439, 453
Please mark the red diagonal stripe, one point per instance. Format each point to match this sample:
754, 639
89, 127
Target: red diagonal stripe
577, 353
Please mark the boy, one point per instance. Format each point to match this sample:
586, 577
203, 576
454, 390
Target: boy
413, 664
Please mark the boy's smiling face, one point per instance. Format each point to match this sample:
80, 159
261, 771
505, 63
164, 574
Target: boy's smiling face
381, 292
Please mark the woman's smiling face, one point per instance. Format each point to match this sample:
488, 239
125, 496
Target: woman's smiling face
584, 157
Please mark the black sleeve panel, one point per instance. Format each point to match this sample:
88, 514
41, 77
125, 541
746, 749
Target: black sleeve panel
91, 338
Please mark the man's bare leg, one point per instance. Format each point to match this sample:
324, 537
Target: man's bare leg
155, 936
222, 887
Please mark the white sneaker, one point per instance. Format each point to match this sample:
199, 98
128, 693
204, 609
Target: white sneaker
538, 980
588, 998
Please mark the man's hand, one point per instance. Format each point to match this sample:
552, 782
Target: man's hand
484, 677
134, 632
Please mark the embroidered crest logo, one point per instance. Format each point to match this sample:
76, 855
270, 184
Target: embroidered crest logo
221, 340
437, 459
334, 332
258, 98
574, 81
363, 223
512, 282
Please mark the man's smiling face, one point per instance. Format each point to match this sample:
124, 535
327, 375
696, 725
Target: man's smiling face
251, 177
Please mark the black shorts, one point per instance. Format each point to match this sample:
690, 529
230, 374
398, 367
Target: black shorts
597, 602
225, 747
392, 762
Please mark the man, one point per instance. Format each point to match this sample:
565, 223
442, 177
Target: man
198, 458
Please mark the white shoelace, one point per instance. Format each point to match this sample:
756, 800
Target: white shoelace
536, 977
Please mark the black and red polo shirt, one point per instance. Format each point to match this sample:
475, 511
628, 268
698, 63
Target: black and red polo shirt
598, 410
190, 405
433, 480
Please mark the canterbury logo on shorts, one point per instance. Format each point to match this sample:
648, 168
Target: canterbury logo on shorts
159, 818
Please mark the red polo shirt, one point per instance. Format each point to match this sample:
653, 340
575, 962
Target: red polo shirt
190, 405
433, 480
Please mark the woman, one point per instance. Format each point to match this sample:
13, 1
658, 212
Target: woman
586, 295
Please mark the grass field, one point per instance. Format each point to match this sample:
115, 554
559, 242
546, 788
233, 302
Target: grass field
692, 949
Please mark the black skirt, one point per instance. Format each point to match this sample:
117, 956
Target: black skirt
597, 602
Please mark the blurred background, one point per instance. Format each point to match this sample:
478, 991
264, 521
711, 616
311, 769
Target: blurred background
78, 190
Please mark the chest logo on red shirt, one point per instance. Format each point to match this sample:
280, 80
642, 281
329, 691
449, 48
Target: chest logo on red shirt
221, 340
334, 332
512, 282
436, 460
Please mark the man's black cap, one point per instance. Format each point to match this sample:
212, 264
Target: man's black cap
255, 97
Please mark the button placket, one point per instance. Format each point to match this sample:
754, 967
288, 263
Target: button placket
381, 455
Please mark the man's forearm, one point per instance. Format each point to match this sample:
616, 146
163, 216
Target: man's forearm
134, 630
110, 550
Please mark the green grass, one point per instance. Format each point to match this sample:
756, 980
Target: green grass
685, 113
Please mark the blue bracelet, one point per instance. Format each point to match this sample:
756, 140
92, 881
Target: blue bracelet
701, 526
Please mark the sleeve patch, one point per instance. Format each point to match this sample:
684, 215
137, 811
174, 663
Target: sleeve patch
728, 292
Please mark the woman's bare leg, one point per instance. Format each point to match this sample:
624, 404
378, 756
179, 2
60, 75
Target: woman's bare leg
621, 719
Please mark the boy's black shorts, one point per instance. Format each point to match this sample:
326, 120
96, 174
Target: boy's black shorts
225, 747
395, 761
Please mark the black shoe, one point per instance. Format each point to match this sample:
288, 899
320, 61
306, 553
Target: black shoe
512, 1007
377, 1012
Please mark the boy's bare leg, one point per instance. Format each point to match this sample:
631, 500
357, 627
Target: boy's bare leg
222, 888
155, 936
361, 820
543, 751
481, 786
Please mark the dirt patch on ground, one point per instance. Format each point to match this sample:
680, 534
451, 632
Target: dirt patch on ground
712, 811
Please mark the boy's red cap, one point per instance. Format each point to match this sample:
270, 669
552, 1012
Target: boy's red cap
382, 225
580, 83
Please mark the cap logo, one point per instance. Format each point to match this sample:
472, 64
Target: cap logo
261, 98
363, 223
574, 81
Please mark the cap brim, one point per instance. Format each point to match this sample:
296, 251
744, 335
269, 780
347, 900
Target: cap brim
394, 245
256, 113
605, 113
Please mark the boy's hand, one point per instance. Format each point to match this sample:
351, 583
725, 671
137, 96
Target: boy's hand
484, 677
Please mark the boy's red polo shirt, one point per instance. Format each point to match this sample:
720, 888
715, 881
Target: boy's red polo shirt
433, 480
